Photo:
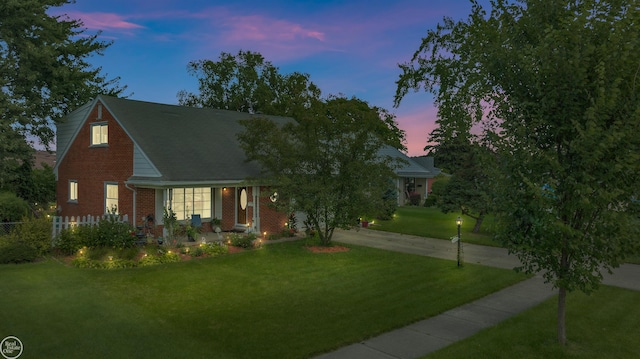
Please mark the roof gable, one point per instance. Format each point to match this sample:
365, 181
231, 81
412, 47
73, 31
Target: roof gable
67, 131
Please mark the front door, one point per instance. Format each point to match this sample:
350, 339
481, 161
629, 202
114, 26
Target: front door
241, 204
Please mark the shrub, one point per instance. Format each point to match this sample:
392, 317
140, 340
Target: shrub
68, 242
215, 249
113, 233
108, 233
243, 241
414, 198
430, 201
197, 252
98, 253
84, 262
12, 207
159, 258
35, 232
14, 250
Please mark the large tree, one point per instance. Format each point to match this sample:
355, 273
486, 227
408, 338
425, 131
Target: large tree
327, 163
324, 163
44, 74
247, 82
558, 80
469, 189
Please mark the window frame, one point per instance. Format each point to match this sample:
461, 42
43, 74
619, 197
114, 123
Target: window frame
183, 210
73, 191
107, 199
103, 137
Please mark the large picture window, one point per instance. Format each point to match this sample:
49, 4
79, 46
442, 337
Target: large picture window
99, 134
188, 201
111, 197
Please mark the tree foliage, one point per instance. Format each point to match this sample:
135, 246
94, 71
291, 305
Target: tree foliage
327, 163
12, 207
469, 189
246, 82
44, 68
44, 74
557, 83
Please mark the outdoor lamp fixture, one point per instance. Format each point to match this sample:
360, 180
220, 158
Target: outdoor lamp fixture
459, 223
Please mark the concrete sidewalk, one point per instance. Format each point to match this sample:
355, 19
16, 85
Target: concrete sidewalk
429, 335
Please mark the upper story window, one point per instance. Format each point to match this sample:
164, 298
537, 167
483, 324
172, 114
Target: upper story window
99, 134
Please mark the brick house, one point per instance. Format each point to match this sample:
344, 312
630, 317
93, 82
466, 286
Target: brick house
142, 157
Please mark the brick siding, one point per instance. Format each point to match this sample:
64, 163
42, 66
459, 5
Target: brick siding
91, 167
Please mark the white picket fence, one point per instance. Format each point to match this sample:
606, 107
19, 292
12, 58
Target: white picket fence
60, 223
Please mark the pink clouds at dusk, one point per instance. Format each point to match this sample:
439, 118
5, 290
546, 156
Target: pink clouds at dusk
347, 47
103, 21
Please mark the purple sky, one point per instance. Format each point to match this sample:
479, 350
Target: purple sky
348, 47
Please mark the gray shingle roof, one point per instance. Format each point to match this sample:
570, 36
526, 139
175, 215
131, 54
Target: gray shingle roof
191, 146
186, 144
410, 167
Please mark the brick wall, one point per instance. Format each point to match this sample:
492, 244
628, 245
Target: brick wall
91, 167
271, 221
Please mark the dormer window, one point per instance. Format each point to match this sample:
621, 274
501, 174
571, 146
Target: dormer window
99, 134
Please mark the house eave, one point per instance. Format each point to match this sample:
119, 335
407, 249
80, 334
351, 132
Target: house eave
151, 183
415, 174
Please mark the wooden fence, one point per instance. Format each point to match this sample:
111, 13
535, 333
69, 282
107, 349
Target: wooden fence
60, 223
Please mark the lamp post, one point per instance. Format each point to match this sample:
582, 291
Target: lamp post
459, 223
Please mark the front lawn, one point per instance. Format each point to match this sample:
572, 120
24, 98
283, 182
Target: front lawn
280, 301
431, 222
600, 326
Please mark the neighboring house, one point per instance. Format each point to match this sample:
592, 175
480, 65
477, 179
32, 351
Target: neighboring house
142, 157
414, 176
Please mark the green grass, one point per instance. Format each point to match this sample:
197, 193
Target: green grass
432, 223
603, 325
280, 301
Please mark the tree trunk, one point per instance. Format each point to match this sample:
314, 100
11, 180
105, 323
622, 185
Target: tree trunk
476, 227
562, 333
562, 296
